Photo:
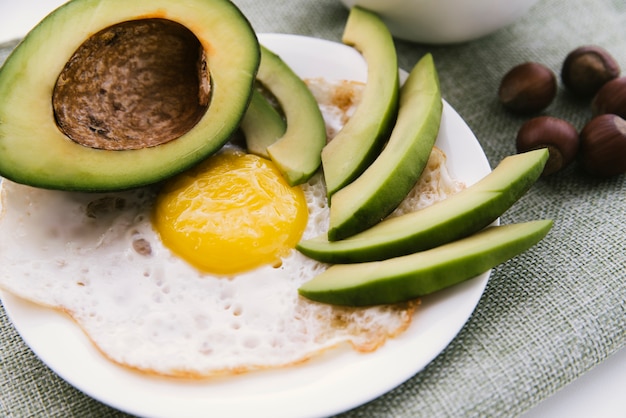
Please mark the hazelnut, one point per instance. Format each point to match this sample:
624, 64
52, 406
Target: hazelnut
611, 98
527, 88
588, 68
603, 146
558, 135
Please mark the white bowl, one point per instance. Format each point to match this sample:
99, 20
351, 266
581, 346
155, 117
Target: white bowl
444, 21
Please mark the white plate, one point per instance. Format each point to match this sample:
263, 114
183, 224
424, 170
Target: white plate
331, 384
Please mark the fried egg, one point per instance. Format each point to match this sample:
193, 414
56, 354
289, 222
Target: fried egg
232, 213
197, 277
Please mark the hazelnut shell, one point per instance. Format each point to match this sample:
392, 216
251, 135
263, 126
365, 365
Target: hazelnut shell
587, 68
527, 88
603, 146
558, 135
611, 98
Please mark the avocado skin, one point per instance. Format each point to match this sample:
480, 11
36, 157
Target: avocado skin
35, 152
411, 276
455, 217
386, 182
363, 136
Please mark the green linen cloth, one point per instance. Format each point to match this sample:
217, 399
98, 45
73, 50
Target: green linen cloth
547, 316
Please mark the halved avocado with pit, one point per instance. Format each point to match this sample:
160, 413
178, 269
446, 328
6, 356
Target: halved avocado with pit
106, 95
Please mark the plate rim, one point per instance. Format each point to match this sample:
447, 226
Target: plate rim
336, 403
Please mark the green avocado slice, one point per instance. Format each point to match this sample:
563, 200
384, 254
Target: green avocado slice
104, 95
455, 217
262, 125
411, 276
386, 182
297, 152
363, 136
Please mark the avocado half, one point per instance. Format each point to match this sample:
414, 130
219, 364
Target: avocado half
107, 95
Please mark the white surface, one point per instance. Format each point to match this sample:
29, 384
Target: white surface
598, 393
17, 17
445, 21
65, 349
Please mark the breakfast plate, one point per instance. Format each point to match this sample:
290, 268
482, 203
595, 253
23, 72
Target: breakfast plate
312, 389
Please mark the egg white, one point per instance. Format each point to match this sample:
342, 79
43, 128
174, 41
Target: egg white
98, 258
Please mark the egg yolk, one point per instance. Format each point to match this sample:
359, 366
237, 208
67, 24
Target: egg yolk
232, 213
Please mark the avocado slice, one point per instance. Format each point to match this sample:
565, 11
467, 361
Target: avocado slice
386, 182
459, 215
411, 276
105, 95
363, 136
262, 125
297, 152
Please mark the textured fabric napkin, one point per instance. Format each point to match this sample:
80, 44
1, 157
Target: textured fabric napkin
547, 316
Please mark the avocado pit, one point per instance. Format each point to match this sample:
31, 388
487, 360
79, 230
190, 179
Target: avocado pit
133, 85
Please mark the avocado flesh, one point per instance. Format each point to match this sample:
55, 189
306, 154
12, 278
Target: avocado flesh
411, 276
297, 152
386, 182
361, 139
457, 216
37, 152
262, 125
